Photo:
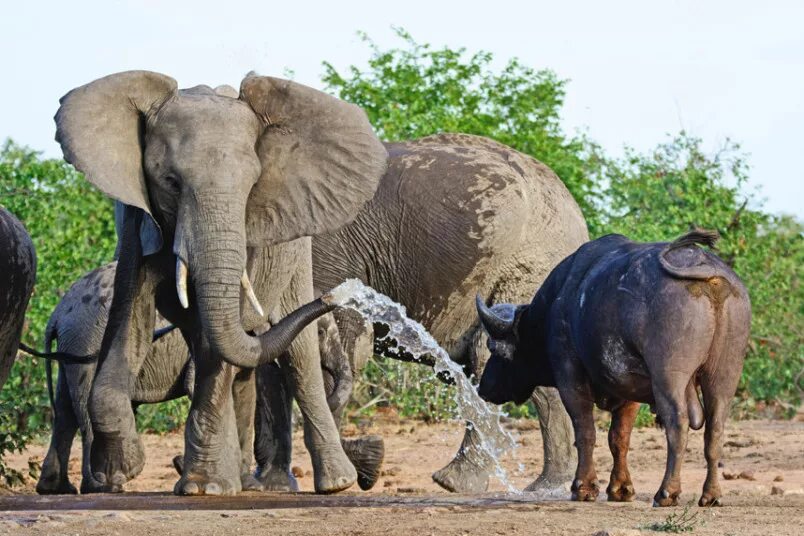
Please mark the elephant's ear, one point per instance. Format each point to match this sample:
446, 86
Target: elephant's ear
321, 161
101, 127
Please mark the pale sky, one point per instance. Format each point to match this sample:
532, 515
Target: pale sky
637, 69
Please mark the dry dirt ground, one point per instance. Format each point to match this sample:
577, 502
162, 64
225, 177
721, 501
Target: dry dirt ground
406, 501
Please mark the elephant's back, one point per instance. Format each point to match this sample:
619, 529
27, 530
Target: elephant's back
18, 269
454, 215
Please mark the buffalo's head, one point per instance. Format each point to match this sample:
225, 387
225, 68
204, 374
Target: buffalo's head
509, 374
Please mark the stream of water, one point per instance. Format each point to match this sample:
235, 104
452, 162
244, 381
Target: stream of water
411, 335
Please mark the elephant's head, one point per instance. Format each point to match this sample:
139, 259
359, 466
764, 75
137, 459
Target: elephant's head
214, 173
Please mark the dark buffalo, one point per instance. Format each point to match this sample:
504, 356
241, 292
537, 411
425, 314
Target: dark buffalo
618, 323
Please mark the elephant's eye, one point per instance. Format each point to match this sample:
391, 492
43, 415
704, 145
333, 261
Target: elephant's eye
172, 184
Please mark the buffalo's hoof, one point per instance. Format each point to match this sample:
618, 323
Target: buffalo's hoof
584, 491
275, 479
710, 499
620, 491
366, 454
665, 497
197, 485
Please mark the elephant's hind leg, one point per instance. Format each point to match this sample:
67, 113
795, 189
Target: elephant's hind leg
53, 478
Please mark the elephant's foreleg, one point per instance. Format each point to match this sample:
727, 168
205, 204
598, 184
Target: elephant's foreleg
273, 429
53, 478
560, 458
244, 396
212, 455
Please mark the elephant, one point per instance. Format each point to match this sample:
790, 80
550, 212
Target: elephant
453, 215
18, 266
78, 323
618, 323
219, 190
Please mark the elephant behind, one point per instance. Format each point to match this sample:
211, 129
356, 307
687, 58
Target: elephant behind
18, 269
455, 215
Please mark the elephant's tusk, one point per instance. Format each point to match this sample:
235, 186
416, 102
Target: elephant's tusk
181, 282
252, 298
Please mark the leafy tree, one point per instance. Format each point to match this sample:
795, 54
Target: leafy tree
415, 90
72, 227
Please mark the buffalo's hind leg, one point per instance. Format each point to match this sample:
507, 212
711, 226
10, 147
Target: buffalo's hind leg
620, 487
671, 406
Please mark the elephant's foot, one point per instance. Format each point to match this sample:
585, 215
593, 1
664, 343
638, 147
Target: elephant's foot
469, 471
116, 459
332, 470
549, 481
195, 484
585, 490
52, 483
620, 490
272, 478
249, 482
462, 476
366, 454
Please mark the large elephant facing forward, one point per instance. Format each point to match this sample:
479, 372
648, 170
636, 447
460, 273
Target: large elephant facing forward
18, 269
217, 187
454, 215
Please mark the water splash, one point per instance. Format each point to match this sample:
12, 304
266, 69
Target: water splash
377, 307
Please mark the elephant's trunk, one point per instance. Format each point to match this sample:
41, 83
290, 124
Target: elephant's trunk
218, 259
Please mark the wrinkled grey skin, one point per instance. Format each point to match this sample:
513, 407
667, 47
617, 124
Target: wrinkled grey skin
18, 269
215, 185
77, 326
618, 323
453, 215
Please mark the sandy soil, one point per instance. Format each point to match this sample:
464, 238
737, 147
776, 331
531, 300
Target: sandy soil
406, 501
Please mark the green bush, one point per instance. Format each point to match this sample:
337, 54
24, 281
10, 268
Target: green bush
72, 227
415, 90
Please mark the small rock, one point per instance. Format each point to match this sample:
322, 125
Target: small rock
747, 475
776, 490
778, 478
727, 475
409, 490
297, 471
390, 471
617, 532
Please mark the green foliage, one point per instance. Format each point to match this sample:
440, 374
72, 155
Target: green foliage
414, 90
663, 194
644, 418
72, 227
163, 418
678, 522
413, 389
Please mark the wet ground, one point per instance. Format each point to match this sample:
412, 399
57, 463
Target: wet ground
767, 499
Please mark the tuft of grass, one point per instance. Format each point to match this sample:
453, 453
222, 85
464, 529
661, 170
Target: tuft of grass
677, 522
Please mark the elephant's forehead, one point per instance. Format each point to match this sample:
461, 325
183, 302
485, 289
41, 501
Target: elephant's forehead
189, 114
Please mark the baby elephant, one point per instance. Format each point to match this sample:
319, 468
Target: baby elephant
617, 323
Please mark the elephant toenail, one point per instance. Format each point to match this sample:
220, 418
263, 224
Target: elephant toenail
191, 488
213, 488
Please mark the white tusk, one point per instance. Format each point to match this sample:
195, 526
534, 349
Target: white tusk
252, 298
181, 282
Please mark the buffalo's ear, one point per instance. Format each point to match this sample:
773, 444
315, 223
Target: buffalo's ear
101, 126
321, 161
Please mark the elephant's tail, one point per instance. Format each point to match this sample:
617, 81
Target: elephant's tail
50, 336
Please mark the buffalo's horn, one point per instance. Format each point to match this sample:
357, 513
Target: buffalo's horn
496, 327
